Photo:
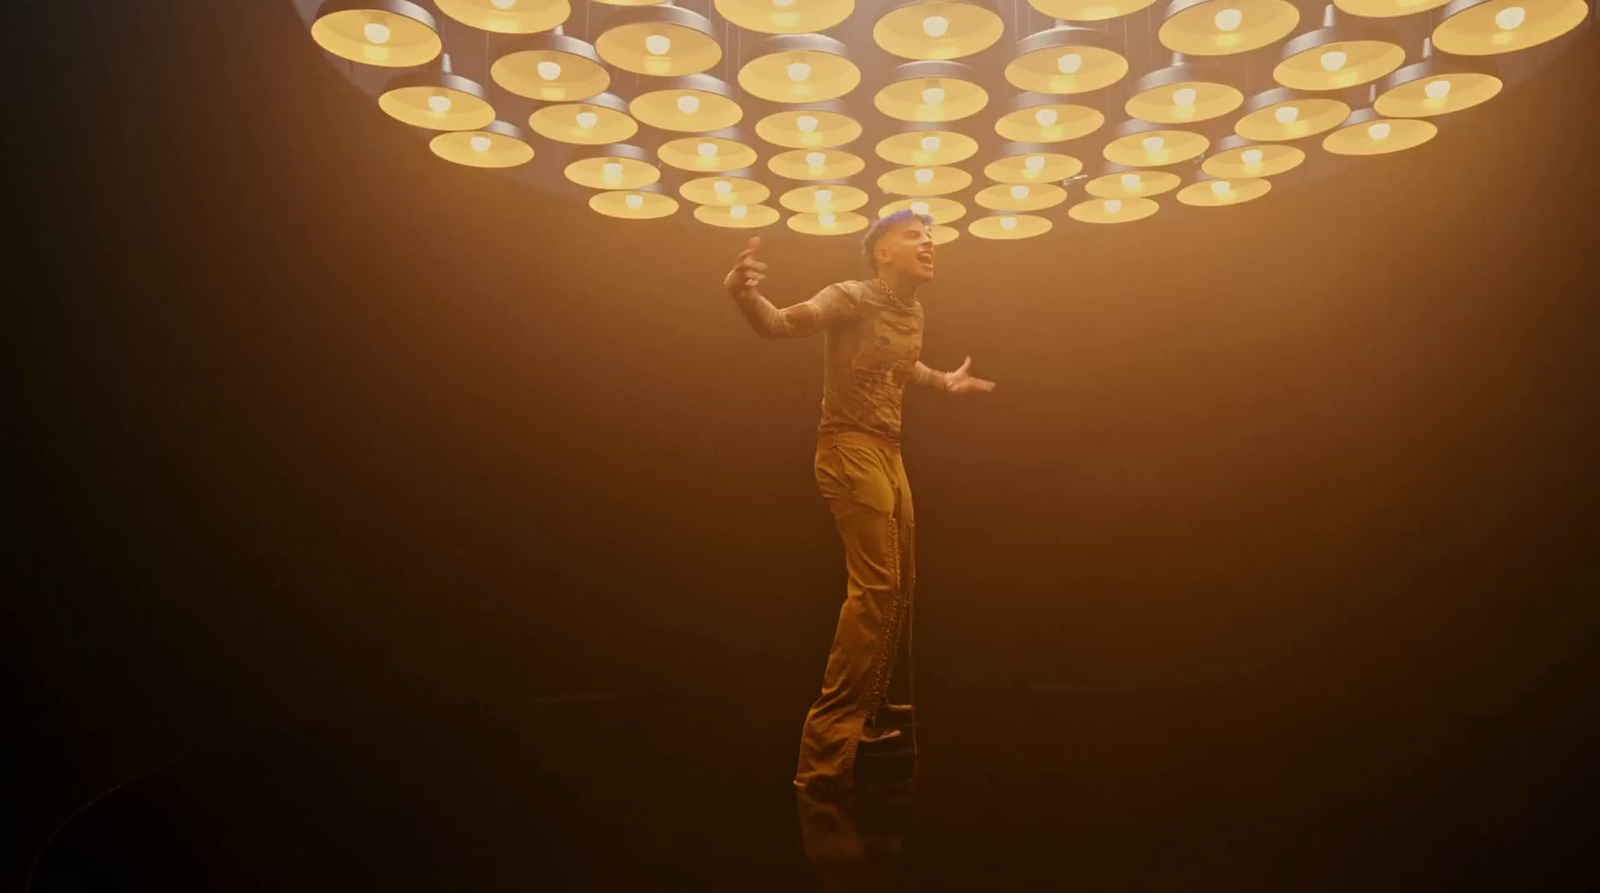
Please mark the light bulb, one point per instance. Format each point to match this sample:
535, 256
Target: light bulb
634, 201
1379, 130
1287, 114
1045, 117
439, 104
1019, 192
722, 187
611, 170
806, 123
707, 150
1333, 60
933, 95
1113, 205
825, 219
688, 104
376, 32
1034, 163
924, 175
480, 144
587, 119
738, 211
784, 4
930, 144
799, 71
935, 26
1069, 63
1130, 182
919, 207
549, 70
503, 4
816, 159
1008, 223
822, 197
1228, 19
1184, 96
1510, 17
1252, 156
658, 44
1221, 187
1154, 144
1437, 89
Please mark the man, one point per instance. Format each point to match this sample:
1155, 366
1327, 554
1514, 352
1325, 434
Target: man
872, 341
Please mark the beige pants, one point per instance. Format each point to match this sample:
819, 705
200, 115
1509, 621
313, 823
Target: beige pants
864, 483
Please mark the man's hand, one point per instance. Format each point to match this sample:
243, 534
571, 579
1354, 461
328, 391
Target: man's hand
747, 272
960, 382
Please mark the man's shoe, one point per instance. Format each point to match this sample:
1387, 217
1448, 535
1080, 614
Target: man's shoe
879, 735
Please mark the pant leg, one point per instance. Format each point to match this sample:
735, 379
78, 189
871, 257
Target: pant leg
902, 686
863, 489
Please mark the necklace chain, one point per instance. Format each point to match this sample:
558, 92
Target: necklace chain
892, 296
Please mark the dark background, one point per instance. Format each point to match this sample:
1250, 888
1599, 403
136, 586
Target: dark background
308, 421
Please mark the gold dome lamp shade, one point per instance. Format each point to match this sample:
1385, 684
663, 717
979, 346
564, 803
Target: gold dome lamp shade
696, 103
920, 181
1088, 10
1220, 192
1009, 226
1020, 197
939, 29
725, 190
1345, 52
943, 235
1111, 211
382, 33
613, 167
819, 125
1491, 27
1387, 9
931, 93
507, 16
823, 198
1121, 181
799, 68
715, 153
1225, 27
497, 144
785, 16
1066, 59
1183, 93
1025, 164
816, 164
551, 68
1366, 132
437, 100
1437, 86
1041, 118
737, 216
1236, 158
941, 210
596, 121
646, 202
1283, 115
659, 41
1143, 144
924, 145
828, 223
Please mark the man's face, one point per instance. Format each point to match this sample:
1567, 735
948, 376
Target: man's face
907, 249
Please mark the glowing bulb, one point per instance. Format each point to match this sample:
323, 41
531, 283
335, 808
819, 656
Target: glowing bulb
799, 71
549, 70
738, 211
1019, 192
1228, 19
1154, 144
1379, 130
611, 170
480, 144
658, 44
822, 197
1333, 60
688, 104
439, 104
1008, 223
587, 119
1113, 205
806, 123
1287, 115
816, 159
783, 4
634, 201
1184, 96
1510, 17
923, 175
1045, 117
1437, 90
919, 207
825, 219
933, 95
376, 32
722, 187
707, 150
1252, 156
930, 144
503, 4
1069, 63
1221, 187
1130, 181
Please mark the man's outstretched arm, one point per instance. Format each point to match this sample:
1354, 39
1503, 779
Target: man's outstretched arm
743, 282
957, 382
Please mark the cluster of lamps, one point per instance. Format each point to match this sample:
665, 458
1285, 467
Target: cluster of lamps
655, 90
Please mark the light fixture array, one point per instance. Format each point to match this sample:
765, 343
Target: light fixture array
1016, 114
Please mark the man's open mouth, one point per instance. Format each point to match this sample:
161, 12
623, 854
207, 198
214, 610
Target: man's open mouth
926, 257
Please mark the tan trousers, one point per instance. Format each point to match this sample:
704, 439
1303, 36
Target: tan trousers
864, 484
